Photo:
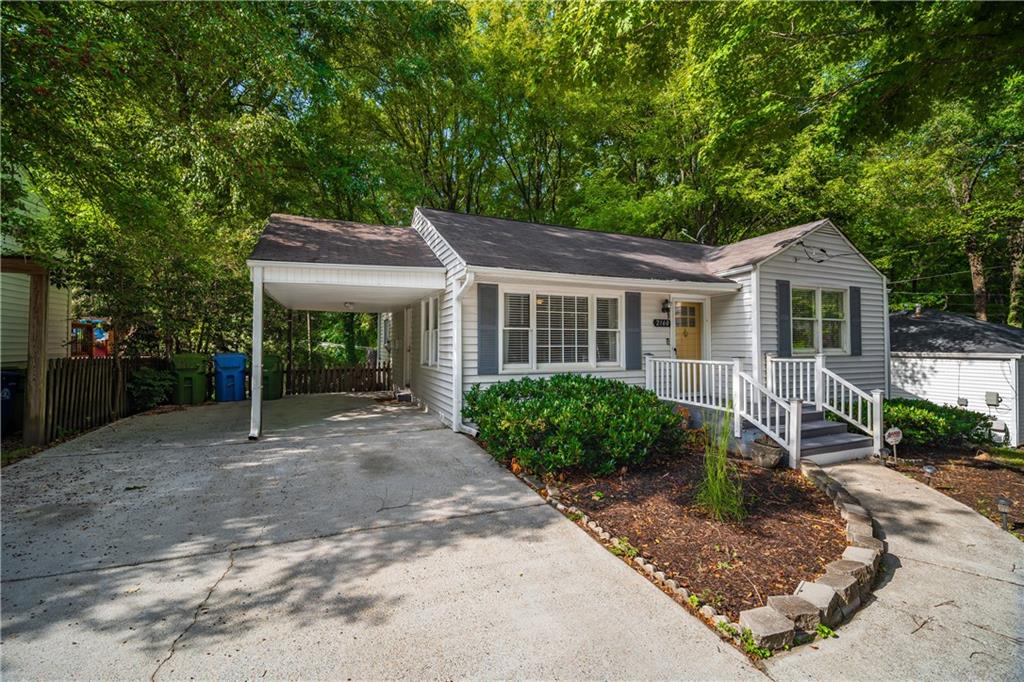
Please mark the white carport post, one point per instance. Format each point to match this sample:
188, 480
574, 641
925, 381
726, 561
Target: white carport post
256, 381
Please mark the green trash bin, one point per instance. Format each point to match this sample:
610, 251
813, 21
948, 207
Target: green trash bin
190, 369
273, 377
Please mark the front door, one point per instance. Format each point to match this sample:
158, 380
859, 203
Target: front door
687, 328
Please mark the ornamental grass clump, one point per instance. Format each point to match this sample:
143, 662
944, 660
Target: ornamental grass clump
721, 492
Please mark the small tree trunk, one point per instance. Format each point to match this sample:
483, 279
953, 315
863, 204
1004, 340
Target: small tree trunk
976, 263
1015, 316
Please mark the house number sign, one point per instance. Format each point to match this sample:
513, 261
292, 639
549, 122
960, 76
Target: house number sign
662, 323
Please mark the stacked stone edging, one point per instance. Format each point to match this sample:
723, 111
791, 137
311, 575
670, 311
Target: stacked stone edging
833, 597
829, 600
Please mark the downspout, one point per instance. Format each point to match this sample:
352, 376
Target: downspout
755, 322
457, 424
885, 333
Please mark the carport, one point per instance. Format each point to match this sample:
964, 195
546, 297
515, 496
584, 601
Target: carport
334, 266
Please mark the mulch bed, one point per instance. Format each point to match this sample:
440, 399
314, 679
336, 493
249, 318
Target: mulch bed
791, 533
970, 480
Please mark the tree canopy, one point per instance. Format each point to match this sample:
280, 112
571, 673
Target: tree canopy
144, 144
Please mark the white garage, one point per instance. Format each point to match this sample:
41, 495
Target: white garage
953, 359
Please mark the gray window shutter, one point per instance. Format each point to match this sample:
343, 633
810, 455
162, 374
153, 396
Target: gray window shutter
855, 347
784, 318
487, 329
634, 355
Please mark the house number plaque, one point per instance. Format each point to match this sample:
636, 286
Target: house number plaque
662, 323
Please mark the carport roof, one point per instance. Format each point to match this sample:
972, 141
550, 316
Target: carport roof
297, 239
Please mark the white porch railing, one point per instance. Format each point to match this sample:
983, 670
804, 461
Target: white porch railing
723, 386
791, 377
705, 383
808, 379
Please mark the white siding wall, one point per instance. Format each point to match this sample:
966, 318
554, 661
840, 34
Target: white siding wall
14, 320
731, 324
433, 385
944, 380
867, 371
655, 341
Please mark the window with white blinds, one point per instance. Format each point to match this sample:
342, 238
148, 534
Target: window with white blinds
607, 329
516, 330
563, 329
541, 330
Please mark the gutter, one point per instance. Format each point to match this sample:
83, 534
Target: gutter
457, 424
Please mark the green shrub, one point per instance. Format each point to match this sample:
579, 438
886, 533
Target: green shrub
150, 387
720, 493
572, 421
925, 423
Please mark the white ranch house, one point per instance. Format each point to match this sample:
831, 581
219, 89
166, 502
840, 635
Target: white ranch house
779, 328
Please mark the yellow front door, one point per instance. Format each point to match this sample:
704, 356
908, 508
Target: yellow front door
688, 325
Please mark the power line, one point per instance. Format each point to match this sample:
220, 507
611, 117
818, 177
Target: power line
947, 274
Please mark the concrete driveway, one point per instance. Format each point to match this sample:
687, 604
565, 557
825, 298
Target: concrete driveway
355, 540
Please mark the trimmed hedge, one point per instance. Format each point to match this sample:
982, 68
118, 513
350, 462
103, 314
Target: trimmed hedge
572, 421
925, 423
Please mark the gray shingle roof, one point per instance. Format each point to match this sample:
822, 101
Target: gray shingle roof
501, 243
296, 239
937, 331
757, 249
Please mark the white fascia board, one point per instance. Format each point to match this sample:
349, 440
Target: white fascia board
959, 356
416, 212
610, 282
734, 271
344, 266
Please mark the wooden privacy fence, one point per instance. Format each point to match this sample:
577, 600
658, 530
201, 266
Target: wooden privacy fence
83, 393
339, 379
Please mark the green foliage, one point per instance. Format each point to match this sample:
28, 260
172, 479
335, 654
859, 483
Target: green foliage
694, 601
720, 492
751, 647
148, 387
728, 629
571, 421
825, 632
145, 143
925, 423
622, 547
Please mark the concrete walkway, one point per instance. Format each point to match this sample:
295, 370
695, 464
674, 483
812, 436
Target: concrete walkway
952, 606
355, 540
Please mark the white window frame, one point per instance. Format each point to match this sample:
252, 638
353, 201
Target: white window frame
533, 367
619, 331
819, 320
430, 322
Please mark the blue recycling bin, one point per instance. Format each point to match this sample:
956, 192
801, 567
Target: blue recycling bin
229, 376
11, 399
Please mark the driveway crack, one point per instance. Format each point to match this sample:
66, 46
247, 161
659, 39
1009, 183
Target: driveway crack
195, 616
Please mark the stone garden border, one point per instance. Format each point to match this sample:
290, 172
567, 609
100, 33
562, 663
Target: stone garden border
786, 620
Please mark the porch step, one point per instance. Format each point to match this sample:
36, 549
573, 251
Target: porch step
833, 442
818, 428
812, 415
840, 455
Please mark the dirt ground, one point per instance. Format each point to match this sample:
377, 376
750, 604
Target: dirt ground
791, 533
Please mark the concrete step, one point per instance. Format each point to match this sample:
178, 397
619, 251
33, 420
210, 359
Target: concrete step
840, 455
816, 429
833, 442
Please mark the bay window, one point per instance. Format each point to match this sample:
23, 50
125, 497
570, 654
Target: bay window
819, 320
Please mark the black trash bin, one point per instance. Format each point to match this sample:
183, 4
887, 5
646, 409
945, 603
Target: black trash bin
12, 400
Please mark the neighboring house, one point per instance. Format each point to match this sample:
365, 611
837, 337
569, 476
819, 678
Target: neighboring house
953, 359
798, 313
14, 305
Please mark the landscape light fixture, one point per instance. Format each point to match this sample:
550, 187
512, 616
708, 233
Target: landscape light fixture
1003, 505
929, 471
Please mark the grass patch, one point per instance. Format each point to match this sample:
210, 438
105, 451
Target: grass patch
1011, 457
